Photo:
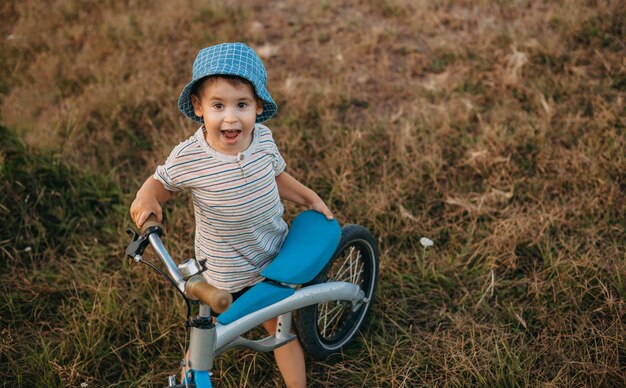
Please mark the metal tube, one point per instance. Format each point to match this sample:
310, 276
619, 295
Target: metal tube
283, 326
301, 298
201, 348
202, 341
167, 261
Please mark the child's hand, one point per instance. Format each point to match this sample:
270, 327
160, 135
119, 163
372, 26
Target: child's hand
141, 209
319, 206
148, 201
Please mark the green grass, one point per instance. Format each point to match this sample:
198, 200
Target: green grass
494, 128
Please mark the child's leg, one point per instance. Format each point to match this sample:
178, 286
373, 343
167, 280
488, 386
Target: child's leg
290, 359
182, 372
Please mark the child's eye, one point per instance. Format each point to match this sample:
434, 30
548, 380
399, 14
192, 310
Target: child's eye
218, 106
242, 105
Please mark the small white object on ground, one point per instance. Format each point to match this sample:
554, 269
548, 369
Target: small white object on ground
426, 242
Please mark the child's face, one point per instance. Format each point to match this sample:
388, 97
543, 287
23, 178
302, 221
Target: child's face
229, 114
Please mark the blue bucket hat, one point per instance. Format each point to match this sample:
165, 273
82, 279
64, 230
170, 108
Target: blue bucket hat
229, 59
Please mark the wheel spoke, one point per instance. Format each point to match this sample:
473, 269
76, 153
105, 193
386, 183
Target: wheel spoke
354, 268
325, 316
332, 322
350, 263
336, 322
358, 264
327, 313
351, 268
346, 260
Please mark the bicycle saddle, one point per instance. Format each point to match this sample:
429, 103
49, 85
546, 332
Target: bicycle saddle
310, 244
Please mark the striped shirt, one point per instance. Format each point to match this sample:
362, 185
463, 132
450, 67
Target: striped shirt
238, 212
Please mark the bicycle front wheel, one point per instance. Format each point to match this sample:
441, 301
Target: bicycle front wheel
327, 328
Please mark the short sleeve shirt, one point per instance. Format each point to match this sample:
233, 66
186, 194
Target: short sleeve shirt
238, 212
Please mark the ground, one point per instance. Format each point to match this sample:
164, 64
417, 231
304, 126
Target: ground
496, 129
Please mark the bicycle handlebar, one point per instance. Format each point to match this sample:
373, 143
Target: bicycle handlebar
196, 286
218, 300
151, 221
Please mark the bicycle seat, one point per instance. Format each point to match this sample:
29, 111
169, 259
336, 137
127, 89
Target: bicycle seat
310, 244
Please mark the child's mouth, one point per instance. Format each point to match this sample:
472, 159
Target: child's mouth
231, 135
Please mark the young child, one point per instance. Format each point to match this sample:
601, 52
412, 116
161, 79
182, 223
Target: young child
236, 177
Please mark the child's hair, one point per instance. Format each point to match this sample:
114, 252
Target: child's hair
233, 80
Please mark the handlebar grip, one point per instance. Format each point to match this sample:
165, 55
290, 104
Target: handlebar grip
151, 221
218, 300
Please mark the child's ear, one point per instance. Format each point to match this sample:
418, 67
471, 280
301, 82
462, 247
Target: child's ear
197, 107
259, 106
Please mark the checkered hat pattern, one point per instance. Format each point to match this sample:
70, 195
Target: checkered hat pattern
229, 59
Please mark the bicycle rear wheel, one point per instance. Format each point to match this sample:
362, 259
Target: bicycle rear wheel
327, 328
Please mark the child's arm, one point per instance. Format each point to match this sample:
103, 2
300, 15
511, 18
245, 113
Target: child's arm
149, 199
290, 189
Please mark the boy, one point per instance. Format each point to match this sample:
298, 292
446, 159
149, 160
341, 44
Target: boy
236, 176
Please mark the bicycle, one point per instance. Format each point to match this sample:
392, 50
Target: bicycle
325, 272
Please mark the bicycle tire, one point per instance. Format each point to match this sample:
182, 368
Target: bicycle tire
358, 249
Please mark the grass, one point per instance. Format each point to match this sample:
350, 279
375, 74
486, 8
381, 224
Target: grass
494, 128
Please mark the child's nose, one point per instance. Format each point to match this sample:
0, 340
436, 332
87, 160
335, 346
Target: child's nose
231, 115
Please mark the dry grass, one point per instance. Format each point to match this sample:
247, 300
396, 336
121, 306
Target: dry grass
494, 128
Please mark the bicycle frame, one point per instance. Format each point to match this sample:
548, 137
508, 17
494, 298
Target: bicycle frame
303, 297
211, 339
